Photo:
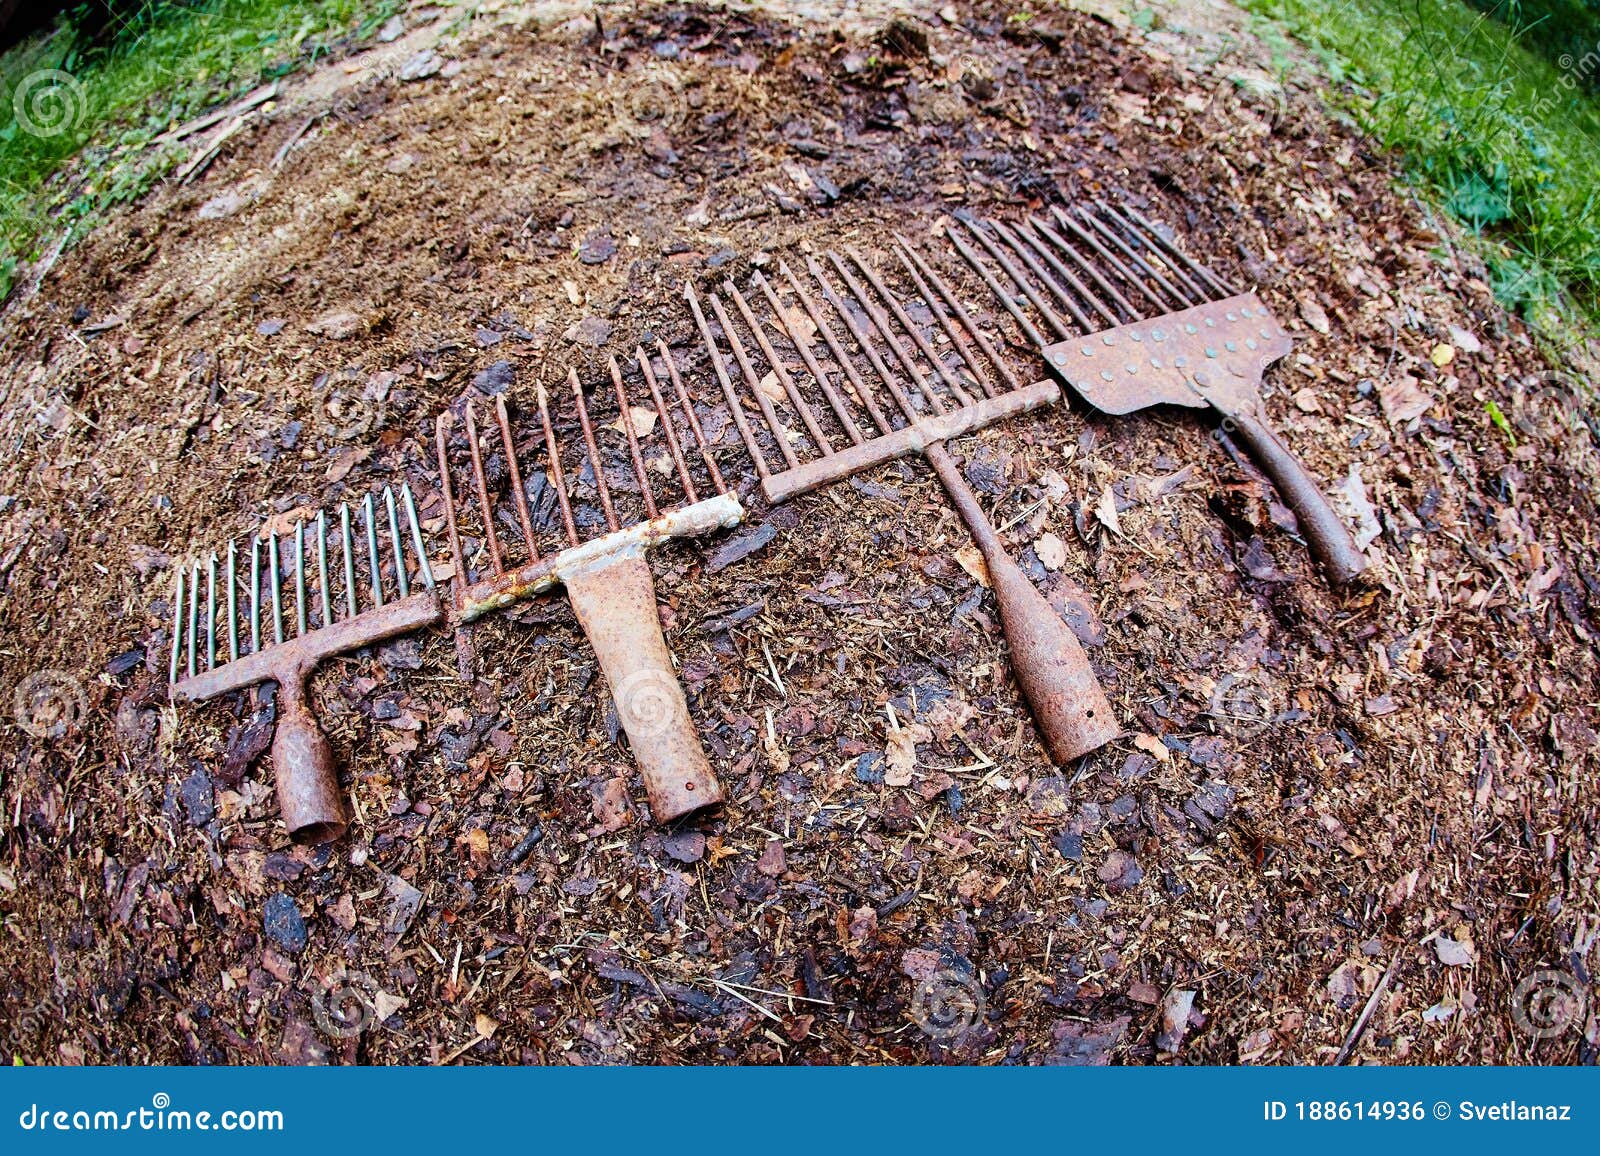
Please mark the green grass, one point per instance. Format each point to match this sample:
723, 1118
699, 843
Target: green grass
83, 145
1502, 136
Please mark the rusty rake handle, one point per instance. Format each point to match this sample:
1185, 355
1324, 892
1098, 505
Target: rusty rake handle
1071, 709
1325, 531
305, 769
615, 602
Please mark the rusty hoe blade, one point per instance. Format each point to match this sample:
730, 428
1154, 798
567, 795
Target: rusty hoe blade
1150, 326
606, 576
862, 382
309, 797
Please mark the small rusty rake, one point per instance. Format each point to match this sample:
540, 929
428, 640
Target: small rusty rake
601, 562
1146, 325
338, 610
877, 382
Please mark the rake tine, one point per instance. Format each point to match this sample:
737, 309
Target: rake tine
1089, 267
835, 402
552, 451
211, 612
1005, 298
482, 486
632, 435
1216, 283
275, 580
871, 274
779, 430
372, 550
1200, 292
1116, 263
300, 577
863, 394
1022, 282
177, 629
416, 534
255, 595
861, 339
401, 578
664, 415
1024, 230
348, 544
796, 398
879, 322
1105, 231
322, 566
595, 463
728, 392
694, 422
516, 476
233, 601
910, 262
441, 430
1028, 259
194, 618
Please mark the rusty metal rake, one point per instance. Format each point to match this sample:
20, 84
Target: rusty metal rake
601, 562
1146, 325
337, 611
876, 388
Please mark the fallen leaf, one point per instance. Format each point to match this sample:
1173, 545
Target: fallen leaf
771, 387
971, 560
644, 421
1452, 953
1353, 497
1052, 553
1314, 315
772, 861
1152, 746
1442, 355
1402, 400
1106, 510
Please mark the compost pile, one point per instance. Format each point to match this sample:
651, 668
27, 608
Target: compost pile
1343, 825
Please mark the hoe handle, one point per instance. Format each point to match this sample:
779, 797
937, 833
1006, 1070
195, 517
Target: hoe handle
1326, 533
1071, 709
615, 601
307, 775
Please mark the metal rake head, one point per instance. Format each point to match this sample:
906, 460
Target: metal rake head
363, 591
597, 480
853, 376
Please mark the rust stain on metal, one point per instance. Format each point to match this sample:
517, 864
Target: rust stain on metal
306, 772
1192, 341
912, 398
607, 578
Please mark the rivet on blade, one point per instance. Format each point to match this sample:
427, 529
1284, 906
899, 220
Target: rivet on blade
1249, 342
1267, 333
1187, 328
1109, 339
1059, 359
1131, 367
1180, 361
1107, 375
1087, 352
1211, 322
1136, 335
1158, 334
1231, 346
1233, 317
1210, 352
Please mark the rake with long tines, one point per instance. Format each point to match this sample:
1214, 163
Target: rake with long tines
1146, 325
921, 398
334, 622
607, 576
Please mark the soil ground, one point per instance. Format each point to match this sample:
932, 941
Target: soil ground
1344, 825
